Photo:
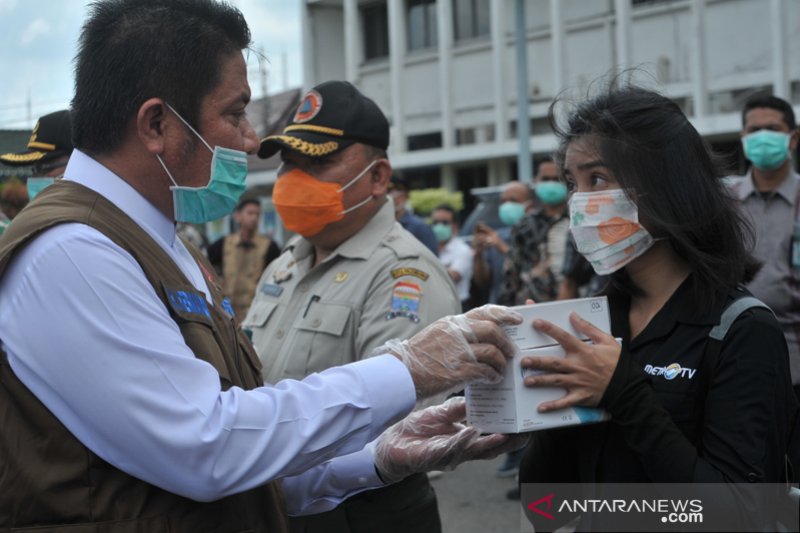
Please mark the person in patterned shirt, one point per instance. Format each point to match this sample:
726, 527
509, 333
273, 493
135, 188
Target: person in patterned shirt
533, 264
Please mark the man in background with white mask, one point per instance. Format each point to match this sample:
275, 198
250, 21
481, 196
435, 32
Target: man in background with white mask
770, 195
351, 280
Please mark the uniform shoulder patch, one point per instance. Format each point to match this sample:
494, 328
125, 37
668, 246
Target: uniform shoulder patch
409, 271
405, 301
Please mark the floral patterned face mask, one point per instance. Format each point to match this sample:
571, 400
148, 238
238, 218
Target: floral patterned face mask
606, 229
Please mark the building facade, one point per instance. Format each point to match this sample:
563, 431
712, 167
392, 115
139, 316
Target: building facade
445, 71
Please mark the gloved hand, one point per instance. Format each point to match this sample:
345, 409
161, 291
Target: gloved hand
456, 350
436, 439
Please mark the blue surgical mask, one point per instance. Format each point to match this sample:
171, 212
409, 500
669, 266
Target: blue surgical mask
766, 149
443, 232
225, 186
551, 192
511, 212
37, 185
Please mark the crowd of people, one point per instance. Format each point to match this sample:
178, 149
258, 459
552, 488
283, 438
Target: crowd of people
150, 385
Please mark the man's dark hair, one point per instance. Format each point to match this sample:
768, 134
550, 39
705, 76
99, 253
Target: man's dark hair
544, 159
247, 201
133, 50
449, 209
654, 152
772, 102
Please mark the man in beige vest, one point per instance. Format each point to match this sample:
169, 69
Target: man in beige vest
132, 400
336, 294
240, 258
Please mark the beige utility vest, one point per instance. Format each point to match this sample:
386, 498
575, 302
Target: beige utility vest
242, 265
47, 477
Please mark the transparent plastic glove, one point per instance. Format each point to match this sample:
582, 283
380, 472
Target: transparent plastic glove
456, 350
436, 439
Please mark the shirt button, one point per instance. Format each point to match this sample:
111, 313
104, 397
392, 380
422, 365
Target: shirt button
302, 287
279, 334
362, 480
316, 323
752, 477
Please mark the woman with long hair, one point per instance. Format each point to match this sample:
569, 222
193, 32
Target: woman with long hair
649, 208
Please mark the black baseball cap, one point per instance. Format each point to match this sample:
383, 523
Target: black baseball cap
331, 117
51, 138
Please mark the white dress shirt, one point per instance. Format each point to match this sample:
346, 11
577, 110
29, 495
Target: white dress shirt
457, 255
86, 333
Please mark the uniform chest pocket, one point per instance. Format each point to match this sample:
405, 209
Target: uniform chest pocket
259, 314
325, 339
324, 318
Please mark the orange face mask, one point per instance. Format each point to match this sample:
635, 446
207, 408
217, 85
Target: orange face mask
306, 205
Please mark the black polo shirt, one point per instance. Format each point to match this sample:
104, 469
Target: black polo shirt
673, 420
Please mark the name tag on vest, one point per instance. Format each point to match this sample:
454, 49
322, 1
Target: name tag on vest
188, 304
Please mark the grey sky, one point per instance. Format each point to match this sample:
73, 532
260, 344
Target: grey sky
38, 41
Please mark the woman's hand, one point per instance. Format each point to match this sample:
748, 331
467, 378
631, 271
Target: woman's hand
585, 371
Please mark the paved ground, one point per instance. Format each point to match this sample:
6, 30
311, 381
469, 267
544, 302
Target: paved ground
473, 500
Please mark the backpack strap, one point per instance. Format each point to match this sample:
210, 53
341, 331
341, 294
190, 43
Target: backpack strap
714, 346
729, 316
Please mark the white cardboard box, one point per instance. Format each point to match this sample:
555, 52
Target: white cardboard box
510, 406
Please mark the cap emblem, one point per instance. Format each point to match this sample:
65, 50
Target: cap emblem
309, 107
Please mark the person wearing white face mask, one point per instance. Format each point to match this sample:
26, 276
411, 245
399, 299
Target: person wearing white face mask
770, 195
709, 407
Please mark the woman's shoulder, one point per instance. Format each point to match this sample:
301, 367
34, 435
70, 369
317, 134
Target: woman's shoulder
739, 303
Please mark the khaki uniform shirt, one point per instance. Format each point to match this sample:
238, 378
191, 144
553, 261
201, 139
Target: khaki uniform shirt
380, 284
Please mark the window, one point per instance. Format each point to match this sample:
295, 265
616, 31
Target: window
375, 22
424, 141
649, 2
423, 178
422, 24
471, 18
465, 136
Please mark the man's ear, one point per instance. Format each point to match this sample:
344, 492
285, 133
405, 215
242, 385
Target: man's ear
380, 177
150, 125
794, 140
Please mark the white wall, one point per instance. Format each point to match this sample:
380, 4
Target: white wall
327, 23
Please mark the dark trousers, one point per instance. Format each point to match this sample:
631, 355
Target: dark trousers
407, 506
